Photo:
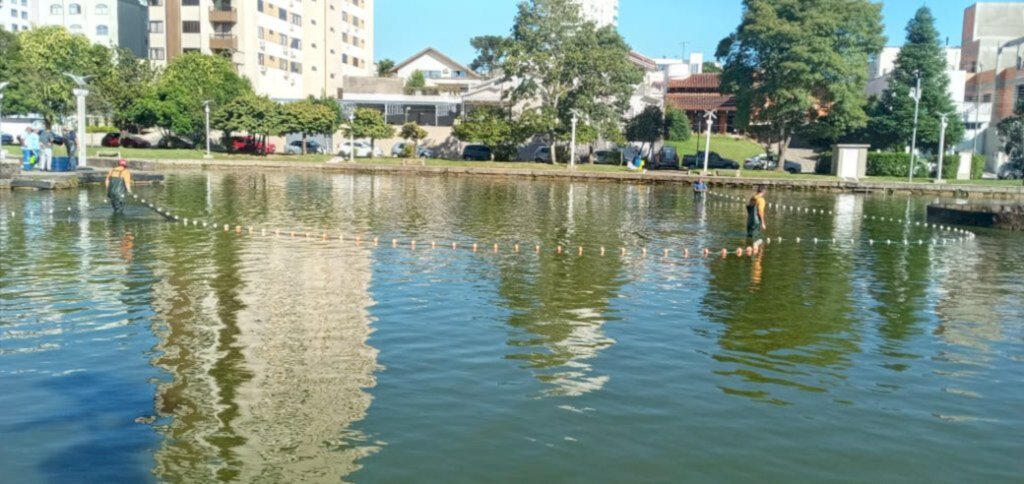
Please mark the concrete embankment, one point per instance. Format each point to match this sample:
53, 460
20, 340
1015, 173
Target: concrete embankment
809, 184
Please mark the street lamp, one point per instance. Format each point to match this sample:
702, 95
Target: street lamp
352, 137
916, 94
572, 146
710, 117
3, 153
944, 122
206, 111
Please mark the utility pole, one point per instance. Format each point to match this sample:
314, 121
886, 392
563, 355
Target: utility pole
352, 137
206, 112
916, 94
572, 147
944, 122
977, 106
710, 116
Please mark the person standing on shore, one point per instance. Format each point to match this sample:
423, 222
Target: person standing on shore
71, 144
755, 213
118, 185
30, 144
46, 149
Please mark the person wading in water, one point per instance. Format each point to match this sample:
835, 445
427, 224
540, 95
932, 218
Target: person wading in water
119, 185
755, 213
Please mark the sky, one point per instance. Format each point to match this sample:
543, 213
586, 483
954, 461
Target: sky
655, 28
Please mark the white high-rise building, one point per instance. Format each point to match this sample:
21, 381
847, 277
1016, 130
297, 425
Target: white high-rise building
17, 14
113, 23
601, 12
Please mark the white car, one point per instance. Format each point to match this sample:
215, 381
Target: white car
362, 150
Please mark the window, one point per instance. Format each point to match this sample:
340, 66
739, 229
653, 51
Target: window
75, 29
56, 9
986, 98
260, 58
296, 68
296, 19
156, 53
344, 36
259, 5
297, 44
1020, 92
313, 68
282, 14
102, 30
190, 27
284, 40
282, 64
74, 9
101, 9
344, 58
156, 26
189, 3
24, 15
344, 16
259, 33
24, 3
14, 13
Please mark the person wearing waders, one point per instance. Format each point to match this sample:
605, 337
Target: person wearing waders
119, 185
755, 213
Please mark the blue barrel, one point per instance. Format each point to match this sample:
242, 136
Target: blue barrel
60, 163
25, 165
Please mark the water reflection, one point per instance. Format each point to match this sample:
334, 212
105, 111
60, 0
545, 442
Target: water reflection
265, 345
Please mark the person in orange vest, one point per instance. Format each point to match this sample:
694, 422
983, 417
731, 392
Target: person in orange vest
755, 213
118, 185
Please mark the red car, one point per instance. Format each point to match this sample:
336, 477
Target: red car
249, 144
114, 140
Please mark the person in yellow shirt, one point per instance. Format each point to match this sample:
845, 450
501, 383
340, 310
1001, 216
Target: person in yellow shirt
755, 213
118, 185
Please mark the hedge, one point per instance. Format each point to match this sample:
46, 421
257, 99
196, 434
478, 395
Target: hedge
977, 166
895, 165
824, 164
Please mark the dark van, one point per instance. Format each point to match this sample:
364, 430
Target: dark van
476, 153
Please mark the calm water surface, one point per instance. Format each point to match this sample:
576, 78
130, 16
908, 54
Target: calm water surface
135, 350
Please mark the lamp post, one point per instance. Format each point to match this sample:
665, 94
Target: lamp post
944, 122
710, 117
916, 94
572, 146
206, 111
80, 94
352, 137
977, 107
3, 153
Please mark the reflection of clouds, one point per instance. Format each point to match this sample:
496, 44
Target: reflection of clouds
570, 343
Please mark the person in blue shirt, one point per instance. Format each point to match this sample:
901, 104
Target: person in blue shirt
31, 145
700, 189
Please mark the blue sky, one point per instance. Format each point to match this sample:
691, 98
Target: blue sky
654, 28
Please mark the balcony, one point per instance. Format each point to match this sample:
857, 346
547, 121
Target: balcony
223, 14
223, 41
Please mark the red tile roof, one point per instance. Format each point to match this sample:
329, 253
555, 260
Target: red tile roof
700, 81
701, 101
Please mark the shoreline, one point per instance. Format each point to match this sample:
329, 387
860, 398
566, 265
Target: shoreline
651, 176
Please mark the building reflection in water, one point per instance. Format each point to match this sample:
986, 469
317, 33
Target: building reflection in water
265, 344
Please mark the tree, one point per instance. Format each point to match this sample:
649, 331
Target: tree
187, 82
40, 86
1011, 133
123, 90
490, 51
488, 126
892, 120
800, 66
710, 68
384, 67
413, 132
308, 117
369, 123
646, 127
258, 116
416, 80
677, 125
565, 65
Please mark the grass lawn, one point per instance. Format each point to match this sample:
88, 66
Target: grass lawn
733, 148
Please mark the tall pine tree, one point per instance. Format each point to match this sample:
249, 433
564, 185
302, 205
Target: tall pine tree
892, 118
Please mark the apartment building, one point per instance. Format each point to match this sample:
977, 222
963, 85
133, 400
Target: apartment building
289, 49
601, 12
17, 15
114, 23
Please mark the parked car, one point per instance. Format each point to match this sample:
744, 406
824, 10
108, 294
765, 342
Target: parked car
133, 141
399, 150
714, 161
603, 157
476, 153
542, 154
6, 139
667, 158
175, 142
111, 140
765, 162
1008, 172
295, 147
362, 149
249, 144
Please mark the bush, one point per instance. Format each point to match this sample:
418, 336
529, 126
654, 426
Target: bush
977, 166
823, 166
677, 125
895, 165
505, 152
407, 151
101, 129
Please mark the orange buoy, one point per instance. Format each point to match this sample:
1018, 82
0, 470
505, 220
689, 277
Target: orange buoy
643, 251
474, 247
581, 250
376, 241
665, 254
515, 248
686, 253
725, 253
536, 249
433, 244
394, 242
495, 248
559, 249
602, 251
739, 252
455, 245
